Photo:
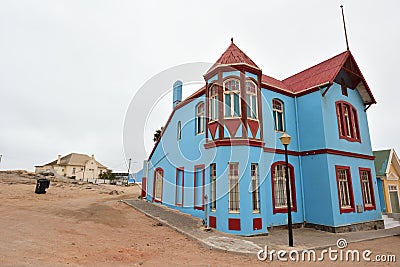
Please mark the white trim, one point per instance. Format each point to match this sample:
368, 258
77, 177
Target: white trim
398, 197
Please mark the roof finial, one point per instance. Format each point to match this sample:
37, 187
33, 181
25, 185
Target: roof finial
232, 40
344, 26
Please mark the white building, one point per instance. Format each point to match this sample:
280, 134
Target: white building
74, 165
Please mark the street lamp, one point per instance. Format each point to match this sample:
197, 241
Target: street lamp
285, 140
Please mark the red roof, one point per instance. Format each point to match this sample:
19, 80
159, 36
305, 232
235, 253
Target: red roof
265, 79
233, 55
322, 73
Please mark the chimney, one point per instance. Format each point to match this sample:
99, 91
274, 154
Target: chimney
92, 156
59, 160
177, 91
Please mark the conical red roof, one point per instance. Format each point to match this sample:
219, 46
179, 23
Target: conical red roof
233, 55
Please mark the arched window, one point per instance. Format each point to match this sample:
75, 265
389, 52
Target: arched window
179, 131
278, 111
279, 197
158, 184
213, 98
347, 121
200, 118
251, 98
232, 98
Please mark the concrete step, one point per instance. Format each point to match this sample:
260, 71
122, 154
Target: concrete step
389, 222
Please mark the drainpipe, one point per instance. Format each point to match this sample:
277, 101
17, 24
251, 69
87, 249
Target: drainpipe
300, 163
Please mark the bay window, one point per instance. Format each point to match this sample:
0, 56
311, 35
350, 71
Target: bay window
232, 98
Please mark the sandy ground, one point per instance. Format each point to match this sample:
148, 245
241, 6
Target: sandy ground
86, 225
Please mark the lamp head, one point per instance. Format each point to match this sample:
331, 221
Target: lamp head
285, 139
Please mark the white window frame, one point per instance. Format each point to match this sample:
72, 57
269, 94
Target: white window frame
179, 131
232, 94
213, 101
250, 98
213, 175
234, 189
366, 188
158, 180
255, 188
344, 189
200, 118
278, 112
280, 197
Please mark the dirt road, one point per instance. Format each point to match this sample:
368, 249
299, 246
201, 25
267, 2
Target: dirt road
85, 225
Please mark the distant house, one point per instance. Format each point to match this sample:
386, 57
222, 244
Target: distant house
74, 165
387, 167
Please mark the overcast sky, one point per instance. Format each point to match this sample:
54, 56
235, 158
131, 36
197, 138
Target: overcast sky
69, 69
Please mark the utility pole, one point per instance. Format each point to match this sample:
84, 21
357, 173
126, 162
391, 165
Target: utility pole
129, 168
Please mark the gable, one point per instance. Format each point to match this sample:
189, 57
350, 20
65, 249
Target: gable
381, 161
341, 68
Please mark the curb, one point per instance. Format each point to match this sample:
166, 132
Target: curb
202, 242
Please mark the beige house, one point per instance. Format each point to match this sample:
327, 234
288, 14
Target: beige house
387, 166
74, 165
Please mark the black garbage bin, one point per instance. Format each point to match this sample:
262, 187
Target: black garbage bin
41, 186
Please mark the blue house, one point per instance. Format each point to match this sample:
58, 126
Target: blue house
219, 157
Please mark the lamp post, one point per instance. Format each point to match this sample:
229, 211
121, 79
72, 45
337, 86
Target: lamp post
285, 140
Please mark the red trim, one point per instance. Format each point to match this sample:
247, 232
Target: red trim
277, 90
289, 93
371, 189
213, 128
226, 68
144, 184
182, 186
234, 142
232, 125
292, 184
192, 97
319, 151
234, 224
349, 180
281, 151
353, 117
212, 221
154, 184
254, 125
257, 224
196, 167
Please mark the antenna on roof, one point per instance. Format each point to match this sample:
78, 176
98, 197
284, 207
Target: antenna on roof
345, 31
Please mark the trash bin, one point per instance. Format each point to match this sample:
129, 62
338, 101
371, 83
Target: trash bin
41, 186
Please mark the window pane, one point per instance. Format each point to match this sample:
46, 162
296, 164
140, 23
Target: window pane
254, 107
213, 173
280, 187
255, 190
248, 102
234, 193
227, 105
280, 122
237, 105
